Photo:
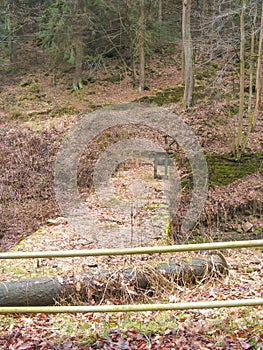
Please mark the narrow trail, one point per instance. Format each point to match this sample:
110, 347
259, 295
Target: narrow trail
133, 212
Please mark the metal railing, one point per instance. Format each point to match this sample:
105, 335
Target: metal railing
131, 251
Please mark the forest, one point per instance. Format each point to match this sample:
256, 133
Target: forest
131, 124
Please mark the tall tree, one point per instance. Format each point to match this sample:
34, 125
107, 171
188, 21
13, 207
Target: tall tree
258, 74
188, 66
141, 43
77, 42
160, 11
63, 28
239, 137
251, 78
11, 26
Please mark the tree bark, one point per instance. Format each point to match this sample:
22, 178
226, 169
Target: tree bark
94, 287
78, 45
251, 76
187, 55
141, 47
77, 82
160, 11
10, 26
39, 291
239, 137
259, 75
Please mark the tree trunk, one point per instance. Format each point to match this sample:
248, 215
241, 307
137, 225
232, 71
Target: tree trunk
259, 74
141, 47
239, 138
188, 68
160, 12
251, 76
77, 82
10, 26
78, 44
107, 284
33, 292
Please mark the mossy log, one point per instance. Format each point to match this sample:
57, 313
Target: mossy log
90, 287
37, 291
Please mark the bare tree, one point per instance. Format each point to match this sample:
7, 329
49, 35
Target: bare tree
258, 74
188, 66
239, 137
160, 11
251, 77
141, 43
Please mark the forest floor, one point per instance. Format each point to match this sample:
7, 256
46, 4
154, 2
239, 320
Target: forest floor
234, 328
42, 104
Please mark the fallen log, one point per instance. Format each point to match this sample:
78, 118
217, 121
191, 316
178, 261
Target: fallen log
93, 287
36, 291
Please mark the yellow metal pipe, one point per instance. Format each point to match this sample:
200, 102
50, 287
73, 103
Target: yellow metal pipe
133, 308
132, 251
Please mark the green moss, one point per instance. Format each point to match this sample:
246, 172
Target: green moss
208, 123
186, 260
34, 88
16, 114
170, 95
224, 169
64, 110
249, 270
209, 71
199, 76
258, 231
114, 78
164, 97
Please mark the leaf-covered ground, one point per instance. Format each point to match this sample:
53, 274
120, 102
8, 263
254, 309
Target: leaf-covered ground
233, 328
240, 328
34, 115
192, 330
